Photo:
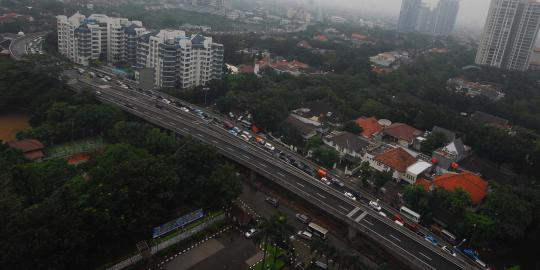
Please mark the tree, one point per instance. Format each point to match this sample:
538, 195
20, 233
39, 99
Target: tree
366, 173
433, 141
381, 178
325, 156
352, 127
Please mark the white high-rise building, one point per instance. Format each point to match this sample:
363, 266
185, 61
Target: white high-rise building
84, 39
509, 34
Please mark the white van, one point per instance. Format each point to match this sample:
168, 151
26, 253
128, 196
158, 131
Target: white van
305, 235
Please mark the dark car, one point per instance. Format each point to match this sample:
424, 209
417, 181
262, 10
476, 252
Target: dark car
273, 201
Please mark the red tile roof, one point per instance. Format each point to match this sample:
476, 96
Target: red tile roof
358, 36
27, 145
33, 155
245, 68
426, 184
370, 126
397, 159
402, 131
471, 183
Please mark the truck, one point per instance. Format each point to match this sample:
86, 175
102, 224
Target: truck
444, 234
227, 125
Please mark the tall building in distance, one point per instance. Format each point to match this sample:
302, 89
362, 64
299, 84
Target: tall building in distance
445, 15
417, 16
176, 60
408, 15
509, 34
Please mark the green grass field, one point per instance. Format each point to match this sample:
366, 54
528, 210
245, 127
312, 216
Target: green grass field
269, 261
75, 147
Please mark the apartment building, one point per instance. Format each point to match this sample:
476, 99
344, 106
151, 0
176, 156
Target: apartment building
420, 16
83, 39
177, 60
509, 34
180, 60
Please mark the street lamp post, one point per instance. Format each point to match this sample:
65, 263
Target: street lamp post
205, 89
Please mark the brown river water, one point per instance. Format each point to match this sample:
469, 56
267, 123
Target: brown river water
11, 123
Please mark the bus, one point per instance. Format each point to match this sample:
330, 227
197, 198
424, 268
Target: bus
410, 214
317, 230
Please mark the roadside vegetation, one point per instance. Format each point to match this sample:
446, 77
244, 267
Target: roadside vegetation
59, 216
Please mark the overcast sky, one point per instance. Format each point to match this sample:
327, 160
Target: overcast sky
470, 12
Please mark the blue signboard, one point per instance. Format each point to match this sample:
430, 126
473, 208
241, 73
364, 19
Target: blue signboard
179, 222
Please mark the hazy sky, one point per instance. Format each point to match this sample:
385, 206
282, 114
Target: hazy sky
470, 12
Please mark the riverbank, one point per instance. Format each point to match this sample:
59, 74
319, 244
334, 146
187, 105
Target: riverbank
11, 123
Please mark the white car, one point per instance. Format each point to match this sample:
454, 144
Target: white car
269, 147
382, 213
350, 196
449, 251
324, 180
375, 205
184, 109
251, 233
243, 136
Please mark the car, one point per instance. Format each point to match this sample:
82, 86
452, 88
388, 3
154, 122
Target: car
303, 218
184, 109
98, 93
247, 135
350, 196
375, 205
231, 115
449, 250
103, 79
231, 131
304, 234
269, 146
411, 226
399, 223
325, 180
336, 182
431, 239
128, 105
252, 232
398, 218
237, 130
166, 101
273, 201
382, 213
243, 136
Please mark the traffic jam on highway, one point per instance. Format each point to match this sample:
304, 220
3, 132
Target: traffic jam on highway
242, 127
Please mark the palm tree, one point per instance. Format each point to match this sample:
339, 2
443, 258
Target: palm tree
274, 230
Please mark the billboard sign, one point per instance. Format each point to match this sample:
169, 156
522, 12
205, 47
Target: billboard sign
177, 223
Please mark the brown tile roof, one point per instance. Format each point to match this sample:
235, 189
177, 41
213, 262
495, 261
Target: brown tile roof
402, 131
471, 183
370, 126
304, 128
396, 158
27, 145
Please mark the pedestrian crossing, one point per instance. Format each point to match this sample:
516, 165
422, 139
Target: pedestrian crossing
357, 215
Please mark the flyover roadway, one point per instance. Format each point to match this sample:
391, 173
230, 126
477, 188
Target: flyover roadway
398, 240
17, 48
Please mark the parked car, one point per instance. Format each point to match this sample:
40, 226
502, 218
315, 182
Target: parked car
184, 109
336, 182
382, 213
399, 223
449, 250
304, 234
303, 218
375, 205
252, 232
273, 201
325, 180
269, 146
349, 195
431, 239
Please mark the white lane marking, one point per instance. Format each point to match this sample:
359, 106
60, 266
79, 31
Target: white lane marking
187, 130
246, 157
263, 165
300, 184
230, 149
214, 141
368, 222
344, 208
280, 174
399, 240
320, 195
200, 135
424, 255
360, 217
352, 212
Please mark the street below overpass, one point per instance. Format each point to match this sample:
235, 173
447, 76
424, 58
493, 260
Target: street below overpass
402, 242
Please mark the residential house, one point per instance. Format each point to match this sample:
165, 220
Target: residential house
320, 112
401, 134
395, 159
307, 129
370, 126
348, 145
453, 152
469, 182
488, 119
414, 171
389, 60
473, 89
32, 149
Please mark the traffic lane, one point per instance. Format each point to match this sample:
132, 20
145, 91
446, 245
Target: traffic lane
409, 245
245, 153
311, 188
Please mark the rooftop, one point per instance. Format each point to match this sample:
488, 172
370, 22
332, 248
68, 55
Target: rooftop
350, 141
402, 131
419, 167
489, 119
471, 183
370, 126
396, 158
